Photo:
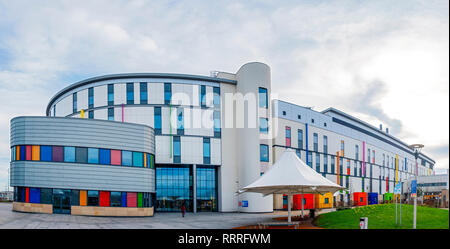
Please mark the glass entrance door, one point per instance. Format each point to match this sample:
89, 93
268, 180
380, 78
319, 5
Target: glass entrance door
61, 201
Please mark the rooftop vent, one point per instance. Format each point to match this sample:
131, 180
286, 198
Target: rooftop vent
381, 127
387, 130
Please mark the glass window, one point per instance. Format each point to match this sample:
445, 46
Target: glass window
176, 149
138, 159
104, 198
74, 102
115, 199
111, 113
167, 93
110, 94
356, 152
92, 155
342, 147
332, 164
316, 142
143, 93
317, 162
206, 151
46, 196
263, 125
91, 114
263, 101
264, 152
81, 155
325, 144
180, 122
127, 159
174, 187
130, 93
309, 161
288, 136
46, 153
217, 127
57, 154
75, 201
298, 152
105, 156
93, 199
216, 100
325, 163
203, 96
206, 189
300, 138
69, 154
157, 116
91, 97
116, 157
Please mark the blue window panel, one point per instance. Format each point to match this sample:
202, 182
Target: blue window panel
143, 93
216, 92
264, 152
91, 97
138, 159
176, 146
263, 125
69, 154
130, 93
93, 155
203, 96
124, 199
23, 152
110, 94
157, 117
167, 93
46, 153
74, 102
127, 159
263, 97
105, 156
35, 195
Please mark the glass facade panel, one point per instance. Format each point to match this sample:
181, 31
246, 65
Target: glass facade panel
264, 152
143, 93
216, 100
176, 149
300, 138
217, 126
138, 159
263, 125
57, 153
180, 122
127, 159
91, 97
69, 154
157, 117
167, 93
130, 93
81, 155
206, 189
263, 102
111, 113
110, 94
173, 188
206, 151
93, 155
93, 198
105, 156
46, 195
74, 102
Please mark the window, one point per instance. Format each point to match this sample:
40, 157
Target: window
46, 153
111, 113
203, 96
206, 151
217, 129
176, 149
206, 189
300, 138
116, 157
167, 93
342, 147
168, 195
263, 125
368, 155
130, 93
69, 154
264, 152
373, 156
288, 136
325, 124
317, 162
91, 114
143, 93
284, 113
309, 161
115, 199
92, 155
75, 201
81, 155
325, 144
105, 156
299, 116
355, 168
216, 100
298, 152
110, 94
332, 164
356, 152
138, 159
74, 103
316, 142
54, 111
180, 122
91, 97
157, 120
263, 101
312, 121
127, 158
92, 198
325, 163
326, 201
46, 196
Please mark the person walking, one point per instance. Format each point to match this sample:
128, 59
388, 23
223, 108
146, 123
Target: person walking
183, 209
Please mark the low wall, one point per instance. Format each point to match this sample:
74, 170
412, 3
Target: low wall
33, 207
111, 211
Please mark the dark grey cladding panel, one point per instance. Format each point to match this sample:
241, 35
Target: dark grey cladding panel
82, 132
82, 176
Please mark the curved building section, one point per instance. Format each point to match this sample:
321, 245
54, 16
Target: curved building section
83, 167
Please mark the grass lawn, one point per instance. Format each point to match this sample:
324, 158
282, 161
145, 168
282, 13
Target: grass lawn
382, 216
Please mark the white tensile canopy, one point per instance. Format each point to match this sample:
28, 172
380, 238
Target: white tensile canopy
290, 176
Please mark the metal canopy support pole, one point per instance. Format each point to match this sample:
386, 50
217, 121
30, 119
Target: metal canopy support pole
289, 207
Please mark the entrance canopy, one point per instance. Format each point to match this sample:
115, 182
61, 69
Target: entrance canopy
290, 176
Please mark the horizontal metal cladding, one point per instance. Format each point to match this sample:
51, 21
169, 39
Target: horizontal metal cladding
82, 133
82, 176
135, 75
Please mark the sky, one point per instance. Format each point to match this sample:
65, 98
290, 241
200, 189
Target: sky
385, 62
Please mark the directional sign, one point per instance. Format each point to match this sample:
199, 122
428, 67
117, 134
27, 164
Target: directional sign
398, 188
413, 188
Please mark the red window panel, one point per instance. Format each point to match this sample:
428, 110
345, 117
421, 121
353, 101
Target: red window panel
387, 183
288, 136
288, 142
28, 151
104, 199
348, 171
27, 195
116, 157
131, 199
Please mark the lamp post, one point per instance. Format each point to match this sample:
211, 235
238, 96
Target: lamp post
416, 148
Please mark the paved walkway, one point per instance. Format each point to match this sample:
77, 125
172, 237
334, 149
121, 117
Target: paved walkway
16, 220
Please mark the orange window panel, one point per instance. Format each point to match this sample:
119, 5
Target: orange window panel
83, 198
35, 152
145, 160
17, 153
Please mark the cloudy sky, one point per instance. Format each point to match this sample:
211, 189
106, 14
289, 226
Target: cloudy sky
381, 61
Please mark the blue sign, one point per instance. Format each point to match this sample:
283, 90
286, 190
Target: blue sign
414, 187
398, 188
244, 203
